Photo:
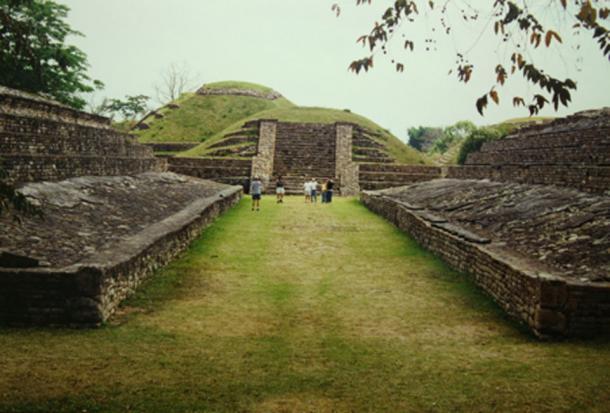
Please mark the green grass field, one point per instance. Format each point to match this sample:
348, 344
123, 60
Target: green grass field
303, 308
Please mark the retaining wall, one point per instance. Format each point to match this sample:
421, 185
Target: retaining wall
549, 305
573, 151
88, 293
228, 171
41, 140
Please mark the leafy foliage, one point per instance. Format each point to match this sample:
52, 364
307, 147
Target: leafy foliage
33, 53
479, 136
129, 108
422, 137
515, 25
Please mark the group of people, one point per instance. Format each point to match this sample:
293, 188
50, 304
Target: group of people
311, 189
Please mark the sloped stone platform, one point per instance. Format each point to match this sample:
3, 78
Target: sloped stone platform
542, 252
98, 239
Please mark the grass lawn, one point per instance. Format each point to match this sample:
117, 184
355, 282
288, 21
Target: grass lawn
304, 308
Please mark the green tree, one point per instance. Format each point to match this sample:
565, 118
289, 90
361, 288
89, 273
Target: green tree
423, 137
519, 27
34, 56
479, 136
129, 108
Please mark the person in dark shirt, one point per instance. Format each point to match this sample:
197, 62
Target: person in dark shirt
329, 191
280, 190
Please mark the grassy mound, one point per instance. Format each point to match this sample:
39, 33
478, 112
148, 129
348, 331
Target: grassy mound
198, 117
394, 147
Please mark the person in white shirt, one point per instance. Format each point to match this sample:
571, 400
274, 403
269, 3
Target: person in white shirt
313, 185
307, 190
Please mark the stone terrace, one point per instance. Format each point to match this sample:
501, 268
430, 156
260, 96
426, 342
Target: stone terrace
98, 238
542, 252
41, 140
572, 151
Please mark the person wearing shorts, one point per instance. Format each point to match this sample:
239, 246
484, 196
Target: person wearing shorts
307, 191
313, 187
256, 189
280, 190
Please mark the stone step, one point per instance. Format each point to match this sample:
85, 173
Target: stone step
400, 168
235, 140
395, 177
49, 127
31, 168
105, 143
32, 107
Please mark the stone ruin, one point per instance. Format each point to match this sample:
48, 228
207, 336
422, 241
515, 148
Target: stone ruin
350, 154
112, 213
529, 218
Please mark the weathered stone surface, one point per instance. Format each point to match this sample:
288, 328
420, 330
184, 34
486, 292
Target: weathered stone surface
171, 146
262, 163
271, 95
573, 151
542, 252
346, 171
100, 236
41, 140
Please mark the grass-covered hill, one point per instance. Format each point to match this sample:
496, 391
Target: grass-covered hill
207, 117
393, 146
195, 117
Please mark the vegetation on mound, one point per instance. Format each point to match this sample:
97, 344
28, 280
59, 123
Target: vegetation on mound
200, 117
244, 322
233, 84
395, 148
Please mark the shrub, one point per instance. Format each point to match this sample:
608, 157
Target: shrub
479, 136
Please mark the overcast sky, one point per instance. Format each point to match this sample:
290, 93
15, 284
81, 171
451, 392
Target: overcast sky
301, 49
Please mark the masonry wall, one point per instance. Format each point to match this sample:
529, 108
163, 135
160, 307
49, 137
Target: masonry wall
572, 151
42, 140
228, 171
548, 306
374, 176
86, 295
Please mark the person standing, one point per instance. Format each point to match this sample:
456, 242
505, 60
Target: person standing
256, 190
324, 191
314, 190
329, 191
307, 190
280, 190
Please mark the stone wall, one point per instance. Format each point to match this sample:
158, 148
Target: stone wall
87, 293
228, 171
262, 163
346, 171
171, 146
269, 95
572, 151
526, 287
384, 175
43, 140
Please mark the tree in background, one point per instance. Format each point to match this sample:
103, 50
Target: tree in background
452, 134
34, 56
176, 80
423, 137
479, 136
521, 29
129, 108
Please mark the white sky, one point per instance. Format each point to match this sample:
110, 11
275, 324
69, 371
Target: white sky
301, 49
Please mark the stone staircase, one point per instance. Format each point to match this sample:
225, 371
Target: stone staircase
302, 152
